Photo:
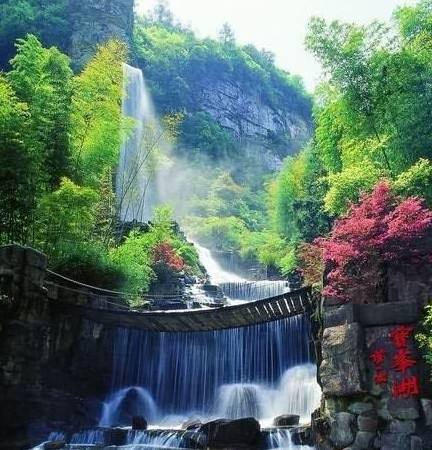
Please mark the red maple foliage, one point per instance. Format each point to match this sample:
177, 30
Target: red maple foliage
164, 253
380, 229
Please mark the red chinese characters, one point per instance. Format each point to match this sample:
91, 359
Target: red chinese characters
408, 387
400, 335
378, 356
381, 377
402, 360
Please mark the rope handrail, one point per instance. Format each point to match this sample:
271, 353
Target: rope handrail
77, 291
116, 293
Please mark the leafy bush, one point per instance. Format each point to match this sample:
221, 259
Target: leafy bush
424, 337
416, 181
165, 254
90, 263
380, 229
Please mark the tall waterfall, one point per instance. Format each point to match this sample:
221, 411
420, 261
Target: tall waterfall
226, 372
137, 180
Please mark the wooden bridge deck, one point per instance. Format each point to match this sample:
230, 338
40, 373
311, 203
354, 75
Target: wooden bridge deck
253, 313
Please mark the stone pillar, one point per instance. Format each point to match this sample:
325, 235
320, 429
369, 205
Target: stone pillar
371, 400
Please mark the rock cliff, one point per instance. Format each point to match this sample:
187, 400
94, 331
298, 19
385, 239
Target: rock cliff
96, 21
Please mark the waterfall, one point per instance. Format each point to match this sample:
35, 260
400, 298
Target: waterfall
281, 439
123, 405
254, 290
216, 273
165, 363
137, 180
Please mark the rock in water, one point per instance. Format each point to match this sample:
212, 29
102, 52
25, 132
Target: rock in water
139, 423
231, 433
287, 420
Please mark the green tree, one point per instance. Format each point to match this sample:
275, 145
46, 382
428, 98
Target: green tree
17, 168
47, 19
43, 79
97, 126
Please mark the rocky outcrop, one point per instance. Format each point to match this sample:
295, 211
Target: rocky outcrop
256, 124
95, 22
54, 366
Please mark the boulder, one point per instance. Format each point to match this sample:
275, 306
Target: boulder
342, 428
402, 426
366, 423
139, 423
360, 407
363, 440
287, 420
342, 370
427, 411
231, 433
302, 436
404, 408
395, 441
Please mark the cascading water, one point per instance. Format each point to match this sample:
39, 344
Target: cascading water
216, 273
136, 179
235, 287
123, 405
254, 290
232, 369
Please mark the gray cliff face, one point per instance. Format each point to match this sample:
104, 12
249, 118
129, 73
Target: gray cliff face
248, 116
266, 134
97, 21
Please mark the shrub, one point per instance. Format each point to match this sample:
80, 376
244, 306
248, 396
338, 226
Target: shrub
380, 229
164, 253
310, 257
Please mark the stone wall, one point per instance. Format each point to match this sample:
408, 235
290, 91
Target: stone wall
376, 387
54, 367
97, 21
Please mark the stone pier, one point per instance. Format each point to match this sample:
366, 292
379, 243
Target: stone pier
376, 386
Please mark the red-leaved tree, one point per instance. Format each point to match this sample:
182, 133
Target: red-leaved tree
165, 254
380, 229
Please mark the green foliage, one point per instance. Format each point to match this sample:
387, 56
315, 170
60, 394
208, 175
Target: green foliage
96, 114
205, 136
65, 216
221, 233
134, 256
416, 181
47, 19
17, 168
297, 198
42, 78
424, 337
373, 115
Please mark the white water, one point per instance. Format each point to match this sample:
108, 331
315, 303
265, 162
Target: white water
297, 393
137, 179
216, 273
282, 440
125, 404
